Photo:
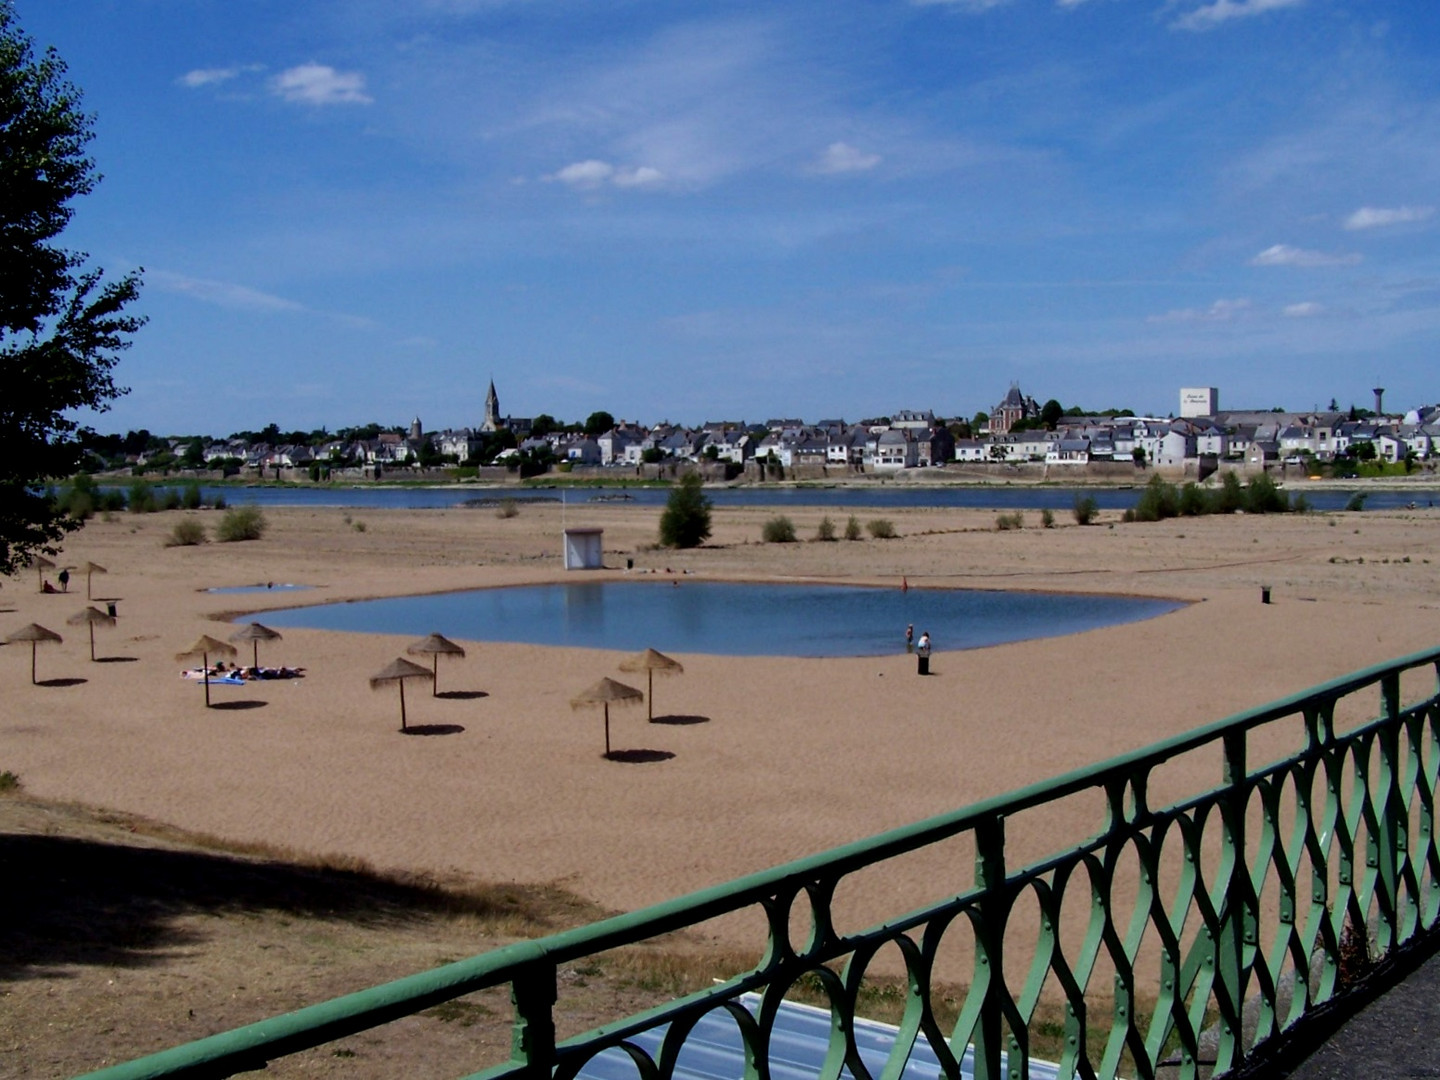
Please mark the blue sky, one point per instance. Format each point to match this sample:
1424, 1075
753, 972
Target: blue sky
355, 210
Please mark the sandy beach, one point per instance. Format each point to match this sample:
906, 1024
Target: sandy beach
780, 758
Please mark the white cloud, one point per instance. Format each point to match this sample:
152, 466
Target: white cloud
320, 84
641, 176
841, 157
1302, 310
592, 173
1372, 217
210, 76
1213, 14
1219, 311
961, 5
223, 293
1285, 255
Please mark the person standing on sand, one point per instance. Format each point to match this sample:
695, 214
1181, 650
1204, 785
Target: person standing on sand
910, 637
922, 652
64, 580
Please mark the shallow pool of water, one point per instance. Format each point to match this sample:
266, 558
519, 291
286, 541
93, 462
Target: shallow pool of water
730, 619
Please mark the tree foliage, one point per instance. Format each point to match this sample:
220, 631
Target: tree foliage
686, 520
62, 327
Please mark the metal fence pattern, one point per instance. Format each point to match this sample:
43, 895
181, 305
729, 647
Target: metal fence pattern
1269, 887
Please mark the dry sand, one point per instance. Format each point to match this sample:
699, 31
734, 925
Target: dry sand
793, 756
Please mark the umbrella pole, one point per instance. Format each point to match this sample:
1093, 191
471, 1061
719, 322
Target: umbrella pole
92, 641
205, 674
255, 654
87, 585
435, 676
402, 703
650, 694
607, 729
32, 665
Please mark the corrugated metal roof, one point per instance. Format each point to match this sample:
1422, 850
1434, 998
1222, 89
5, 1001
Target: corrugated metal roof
798, 1045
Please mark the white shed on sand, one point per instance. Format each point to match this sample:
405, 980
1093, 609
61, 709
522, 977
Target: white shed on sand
583, 549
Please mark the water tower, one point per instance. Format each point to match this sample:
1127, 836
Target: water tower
1379, 393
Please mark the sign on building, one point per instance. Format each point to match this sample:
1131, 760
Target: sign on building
1199, 401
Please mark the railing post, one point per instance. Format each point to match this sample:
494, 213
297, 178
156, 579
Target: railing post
989, 947
532, 1039
1390, 823
1238, 923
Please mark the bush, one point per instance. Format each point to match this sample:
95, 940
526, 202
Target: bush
778, 530
825, 530
852, 528
1193, 501
1047, 518
1086, 509
686, 520
1263, 497
186, 533
172, 499
1230, 497
9, 781
241, 523
881, 529
1006, 522
141, 499
1356, 502
1157, 502
220, 502
193, 500
508, 508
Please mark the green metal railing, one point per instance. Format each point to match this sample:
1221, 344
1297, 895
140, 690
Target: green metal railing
1161, 924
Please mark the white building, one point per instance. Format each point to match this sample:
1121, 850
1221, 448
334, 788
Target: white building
1199, 401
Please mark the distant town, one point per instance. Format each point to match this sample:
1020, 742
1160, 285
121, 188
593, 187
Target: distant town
1017, 431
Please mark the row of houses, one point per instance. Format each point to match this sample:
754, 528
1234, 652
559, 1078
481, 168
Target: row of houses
906, 440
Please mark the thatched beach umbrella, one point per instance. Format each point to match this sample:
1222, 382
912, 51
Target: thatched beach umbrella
650, 662
41, 564
397, 671
604, 693
203, 647
89, 569
255, 633
91, 617
433, 646
34, 634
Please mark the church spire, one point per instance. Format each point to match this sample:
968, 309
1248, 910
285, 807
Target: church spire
492, 409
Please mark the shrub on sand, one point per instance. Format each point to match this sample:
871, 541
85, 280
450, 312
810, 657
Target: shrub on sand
852, 528
881, 529
778, 530
241, 523
826, 529
1086, 509
186, 533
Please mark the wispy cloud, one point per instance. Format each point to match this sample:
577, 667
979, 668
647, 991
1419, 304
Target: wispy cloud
961, 5
228, 294
841, 157
1302, 310
592, 173
213, 76
1374, 217
1219, 311
224, 293
1208, 16
320, 84
1285, 255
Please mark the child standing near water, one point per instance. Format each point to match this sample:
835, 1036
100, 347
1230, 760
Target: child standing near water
922, 652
